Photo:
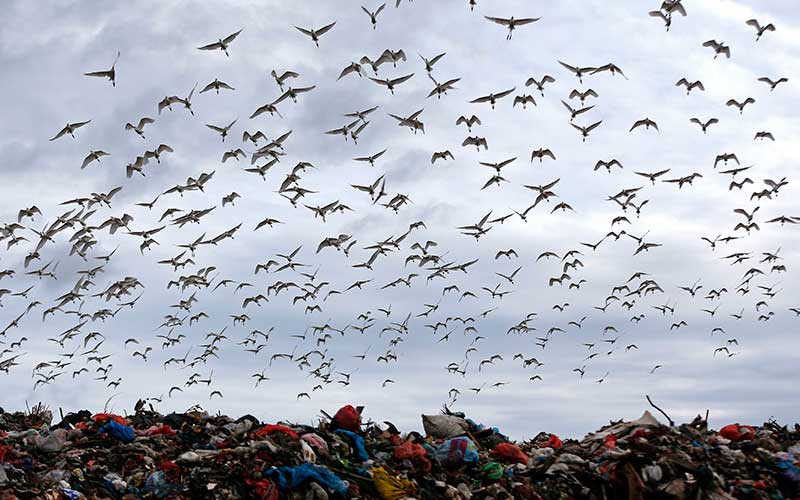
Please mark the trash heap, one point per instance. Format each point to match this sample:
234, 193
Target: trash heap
195, 455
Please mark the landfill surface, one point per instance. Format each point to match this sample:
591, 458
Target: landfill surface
348, 455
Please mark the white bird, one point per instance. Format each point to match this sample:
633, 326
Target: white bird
216, 85
111, 74
315, 34
223, 131
70, 129
222, 43
373, 16
93, 156
511, 23
139, 127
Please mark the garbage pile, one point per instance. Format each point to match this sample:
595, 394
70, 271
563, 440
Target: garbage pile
195, 455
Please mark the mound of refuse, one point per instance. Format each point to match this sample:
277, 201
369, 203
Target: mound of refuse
196, 455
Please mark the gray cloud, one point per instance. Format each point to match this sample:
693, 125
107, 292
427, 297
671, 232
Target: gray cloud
45, 50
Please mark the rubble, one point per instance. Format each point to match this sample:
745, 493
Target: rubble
195, 455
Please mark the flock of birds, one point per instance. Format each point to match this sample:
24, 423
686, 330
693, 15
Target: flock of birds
93, 228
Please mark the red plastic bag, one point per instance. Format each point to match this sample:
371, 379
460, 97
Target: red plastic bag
611, 441
156, 430
347, 418
409, 450
271, 428
264, 489
414, 452
553, 442
736, 432
102, 418
508, 452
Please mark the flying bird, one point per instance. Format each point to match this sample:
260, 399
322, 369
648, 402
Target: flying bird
314, 34
222, 43
70, 129
373, 15
760, 30
111, 74
704, 125
511, 23
719, 48
585, 130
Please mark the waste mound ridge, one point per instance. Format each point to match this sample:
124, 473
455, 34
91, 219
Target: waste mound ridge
348, 455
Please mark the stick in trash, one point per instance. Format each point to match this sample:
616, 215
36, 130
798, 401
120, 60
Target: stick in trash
671, 422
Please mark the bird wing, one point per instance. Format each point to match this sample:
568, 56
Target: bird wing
349, 69
504, 93
325, 29
571, 68
231, 37
378, 81
211, 46
401, 79
436, 58
593, 126
498, 20
98, 73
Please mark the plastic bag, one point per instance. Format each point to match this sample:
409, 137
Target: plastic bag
736, 432
158, 484
52, 443
492, 471
272, 428
358, 444
264, 489
316, 442
391, 487
457, 451
508, 452
414, 452
444, 426
101, 418
308, 452
348, 418
554, 442
122, 432
290, 478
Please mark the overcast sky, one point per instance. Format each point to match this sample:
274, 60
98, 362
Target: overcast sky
46, 48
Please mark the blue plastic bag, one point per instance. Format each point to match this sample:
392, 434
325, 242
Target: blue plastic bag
289, 478
71, 494
158, 484
358, 442
457, 451
119, 431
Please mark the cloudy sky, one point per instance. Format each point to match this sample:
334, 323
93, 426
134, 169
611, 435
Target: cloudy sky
44, 51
